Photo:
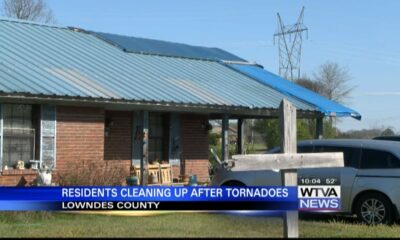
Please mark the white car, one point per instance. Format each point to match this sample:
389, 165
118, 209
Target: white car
370, 179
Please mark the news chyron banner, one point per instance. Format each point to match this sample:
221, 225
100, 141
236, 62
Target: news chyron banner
149, 198
305, 197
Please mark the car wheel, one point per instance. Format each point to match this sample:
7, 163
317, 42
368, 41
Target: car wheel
374, 208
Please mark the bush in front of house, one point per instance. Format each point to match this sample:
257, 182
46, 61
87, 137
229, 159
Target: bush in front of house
94, 174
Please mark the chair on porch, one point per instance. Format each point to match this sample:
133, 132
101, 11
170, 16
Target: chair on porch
163, 173
154, 170
166, 174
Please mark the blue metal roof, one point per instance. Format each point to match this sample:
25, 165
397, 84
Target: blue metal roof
150, 46
52, 61
328, 107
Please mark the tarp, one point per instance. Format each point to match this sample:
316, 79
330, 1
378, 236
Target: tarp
151, 46
324, 105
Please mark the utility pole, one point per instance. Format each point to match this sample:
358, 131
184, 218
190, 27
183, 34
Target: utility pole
290, 39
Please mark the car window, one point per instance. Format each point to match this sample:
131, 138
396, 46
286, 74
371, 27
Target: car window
274, 150
378, 159
351, 155
305, 149
301, 149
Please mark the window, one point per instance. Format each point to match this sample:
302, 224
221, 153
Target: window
48, 136
305, 149
351, 155
378, 159
157, 136
300, 149
274, 150
20, 134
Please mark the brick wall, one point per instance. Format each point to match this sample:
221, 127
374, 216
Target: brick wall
81, 143
80, 136
19, 178
118, 141
195, 146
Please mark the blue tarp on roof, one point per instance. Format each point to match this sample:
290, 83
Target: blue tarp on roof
150, 46
324, 105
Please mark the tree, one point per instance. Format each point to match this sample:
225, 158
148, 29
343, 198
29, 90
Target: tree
334, 81
32, 10
310, 84
214, 138
388, 132
368, 133
269, 130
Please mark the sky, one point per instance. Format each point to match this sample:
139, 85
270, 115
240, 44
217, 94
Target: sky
361, 36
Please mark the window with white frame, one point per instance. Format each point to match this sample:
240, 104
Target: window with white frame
20, 134
48, 137
28, 136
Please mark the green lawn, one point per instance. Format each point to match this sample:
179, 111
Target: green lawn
175, 225
256, 148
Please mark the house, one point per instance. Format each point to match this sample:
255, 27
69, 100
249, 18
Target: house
72, 99
216, 128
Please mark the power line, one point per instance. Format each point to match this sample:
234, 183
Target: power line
290, 39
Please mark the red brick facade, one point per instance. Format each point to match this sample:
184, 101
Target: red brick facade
194, 143
84, 141
88, 137
80, 137
17, 177
118, 140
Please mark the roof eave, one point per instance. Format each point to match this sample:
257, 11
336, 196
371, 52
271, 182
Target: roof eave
130, 105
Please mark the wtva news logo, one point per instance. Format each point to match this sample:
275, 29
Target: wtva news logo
321, 198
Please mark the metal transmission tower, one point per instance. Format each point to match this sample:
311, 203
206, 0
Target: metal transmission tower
290, 39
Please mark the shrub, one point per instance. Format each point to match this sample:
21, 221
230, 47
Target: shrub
93, 174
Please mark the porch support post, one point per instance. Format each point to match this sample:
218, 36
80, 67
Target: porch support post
319, 128
240, 133
225, 137
144, 159
175, 142
288, 132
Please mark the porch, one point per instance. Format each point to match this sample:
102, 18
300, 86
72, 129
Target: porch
158, 147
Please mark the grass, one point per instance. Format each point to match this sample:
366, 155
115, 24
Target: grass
42, 224
255, 148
